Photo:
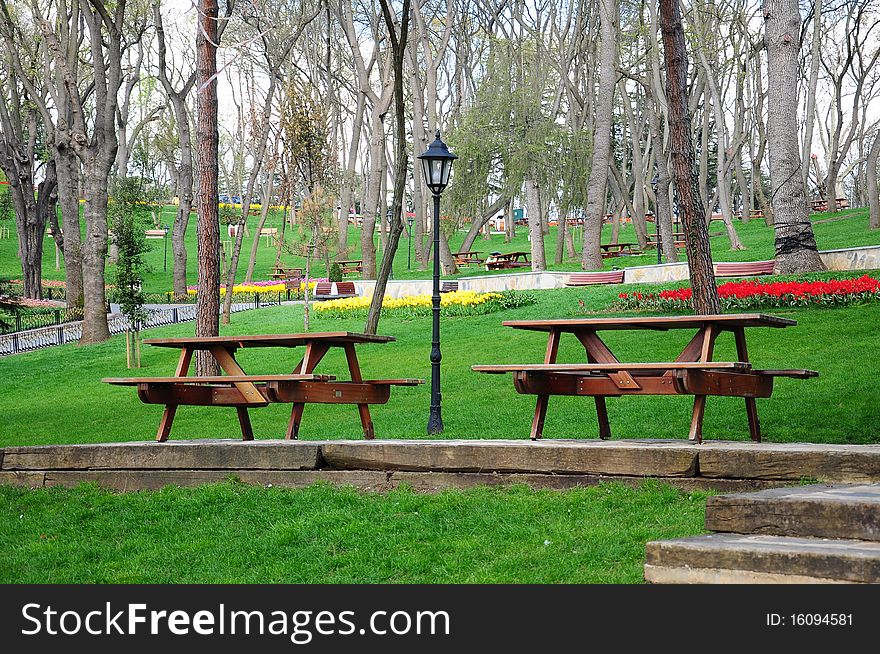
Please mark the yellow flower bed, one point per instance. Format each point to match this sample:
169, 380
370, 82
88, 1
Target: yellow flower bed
252, 288
456, 298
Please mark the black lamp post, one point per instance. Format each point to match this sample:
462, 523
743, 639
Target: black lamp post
436, 166
654, 181
409, 221
165, 248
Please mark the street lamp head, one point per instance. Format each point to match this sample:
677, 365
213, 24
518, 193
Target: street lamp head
410, 220
165, 229
437, 165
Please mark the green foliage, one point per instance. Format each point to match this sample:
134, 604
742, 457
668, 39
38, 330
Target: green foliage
229, 215
508, 134
7, 210
130, 215
335, 274
8, 308
305, 128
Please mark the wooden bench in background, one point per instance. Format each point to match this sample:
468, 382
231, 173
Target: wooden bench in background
271, 235
448, 287
154, 233
588, 278
744, 269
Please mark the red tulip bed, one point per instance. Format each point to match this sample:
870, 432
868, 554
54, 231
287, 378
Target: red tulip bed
756, 294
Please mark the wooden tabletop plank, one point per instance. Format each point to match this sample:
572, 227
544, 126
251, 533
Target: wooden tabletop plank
663, 323
229, 379
269, 340
600, 367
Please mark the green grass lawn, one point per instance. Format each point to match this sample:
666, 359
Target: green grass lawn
235, 533
56, 396
844, 229
232, 533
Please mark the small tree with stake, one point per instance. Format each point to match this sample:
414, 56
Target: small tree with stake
129, 217
316, 225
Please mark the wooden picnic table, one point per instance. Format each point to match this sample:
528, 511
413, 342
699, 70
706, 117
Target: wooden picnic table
243, 391
468, 258
677, 237
692, 372
282, 272
352, 266
618, 249
503, 261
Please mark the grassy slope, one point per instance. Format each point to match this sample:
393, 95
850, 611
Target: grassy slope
230, 533
846, 229
55, 395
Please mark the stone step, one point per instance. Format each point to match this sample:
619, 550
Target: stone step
819, 510
745, 559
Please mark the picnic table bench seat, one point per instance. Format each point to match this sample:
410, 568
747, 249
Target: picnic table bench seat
589, 278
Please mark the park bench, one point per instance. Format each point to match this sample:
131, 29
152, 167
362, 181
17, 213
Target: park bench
243, 391
448, 287
334, 290
744, 269
693, 372
589, 278
154, 233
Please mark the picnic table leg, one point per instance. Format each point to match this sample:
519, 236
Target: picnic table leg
696, 430
707, 347
247, 433
170, 409
165, 423
541, 404
363, 409
598, 352
742, 354
313, 355
295, 418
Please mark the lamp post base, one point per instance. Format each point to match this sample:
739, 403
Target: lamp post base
435, 422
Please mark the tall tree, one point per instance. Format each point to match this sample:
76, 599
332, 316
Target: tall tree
398, 52
207, 146
696, 232
795, 244
597, 185
19, 161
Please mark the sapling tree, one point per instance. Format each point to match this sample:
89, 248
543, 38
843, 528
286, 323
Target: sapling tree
129, 215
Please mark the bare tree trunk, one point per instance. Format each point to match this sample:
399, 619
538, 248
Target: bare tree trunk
94, 326
810, 113
345, 195
536, 234
207, 139
591, 258
795, 244
67, 170
480, 222
398, 45
268, 187
872, 183
702, 276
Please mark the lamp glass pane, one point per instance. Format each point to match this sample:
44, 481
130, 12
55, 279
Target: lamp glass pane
426, 170
447, 168
437, 172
